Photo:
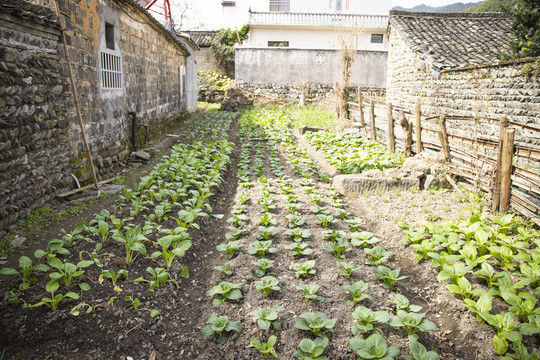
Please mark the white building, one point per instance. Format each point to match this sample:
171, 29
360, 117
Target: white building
293, 42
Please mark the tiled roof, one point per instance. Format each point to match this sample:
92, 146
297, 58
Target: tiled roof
451, 40
29, 11
202, 38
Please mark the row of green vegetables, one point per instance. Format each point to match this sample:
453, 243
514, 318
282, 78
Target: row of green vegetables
176, 189
351, 154
488, 261
408, 317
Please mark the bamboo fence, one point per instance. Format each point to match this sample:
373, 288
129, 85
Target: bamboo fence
487, 151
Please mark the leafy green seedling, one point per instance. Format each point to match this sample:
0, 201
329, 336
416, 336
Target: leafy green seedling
115, 276
235, 233
333, 235
532, 326
67, 271
377, 255
488, 273
520, 353
238, 221
483, 304
299, 249
225, 291
267, 318
363, 239
388, 276
262, 248
424, 248
267, 233
366, 318
505, 256
54, 246
220, 325
320, 210
172, 247
298, 234
374, 347
419, 351
295, 220
531, 274
505, 325
325, 220
226, 269
412, 322
229, 247
522, 304
133, 241
303, 269
469, 254
310, 292
267, 205
267, 284
464, 288
312, 349
453, 272
265, 348
354, 224
266, 220
438, 260
136, 303
342, 214
317, 323
54, 300
262, 265
357, 290
160, 276
402, 303
25, 264
346, 269
339, 248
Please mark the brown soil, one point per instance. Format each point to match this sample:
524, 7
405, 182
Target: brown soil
117, 331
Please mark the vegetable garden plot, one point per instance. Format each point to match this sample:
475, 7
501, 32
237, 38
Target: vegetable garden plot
299, 276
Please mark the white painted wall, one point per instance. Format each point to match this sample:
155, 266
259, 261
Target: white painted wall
312, 38
379, 7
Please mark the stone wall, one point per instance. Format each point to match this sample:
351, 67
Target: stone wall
40, 139
313, 91
34, 146
294, 67
484, 89
207, 62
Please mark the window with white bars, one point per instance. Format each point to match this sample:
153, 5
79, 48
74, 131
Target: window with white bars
111, 70
280, 5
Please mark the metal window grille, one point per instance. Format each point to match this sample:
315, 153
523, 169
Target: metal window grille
280, 5
111, 71
377, 38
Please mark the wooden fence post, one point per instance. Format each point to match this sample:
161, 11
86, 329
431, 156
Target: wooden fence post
372, 120
443, 137
506, 169
338, 100
362, 121
418, 127
407, 129
497, 173
391, 136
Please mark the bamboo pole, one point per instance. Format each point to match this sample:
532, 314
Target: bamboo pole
372, 120
418, 118
443, 136
497, 173
362, 121
391, 136
506, 169
76, 96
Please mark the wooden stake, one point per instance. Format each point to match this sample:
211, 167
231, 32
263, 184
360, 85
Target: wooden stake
497, 171
338, 101
443, 136
76, 96
418, 127
506, 169
391, 136
407, 129
362, 121
372, 120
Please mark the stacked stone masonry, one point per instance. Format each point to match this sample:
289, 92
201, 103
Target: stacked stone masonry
40, 139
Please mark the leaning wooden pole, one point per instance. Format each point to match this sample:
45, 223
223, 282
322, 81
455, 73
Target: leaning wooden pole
76, 96
418, 124
391, 136
372, 120
362, 121
443, 137
506, 169
497, 172
407, 130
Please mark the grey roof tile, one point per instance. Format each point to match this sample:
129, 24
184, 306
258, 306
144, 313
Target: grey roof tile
450, 40
202, 38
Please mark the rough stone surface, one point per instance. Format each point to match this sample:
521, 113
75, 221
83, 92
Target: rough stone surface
141, 155
358, 183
